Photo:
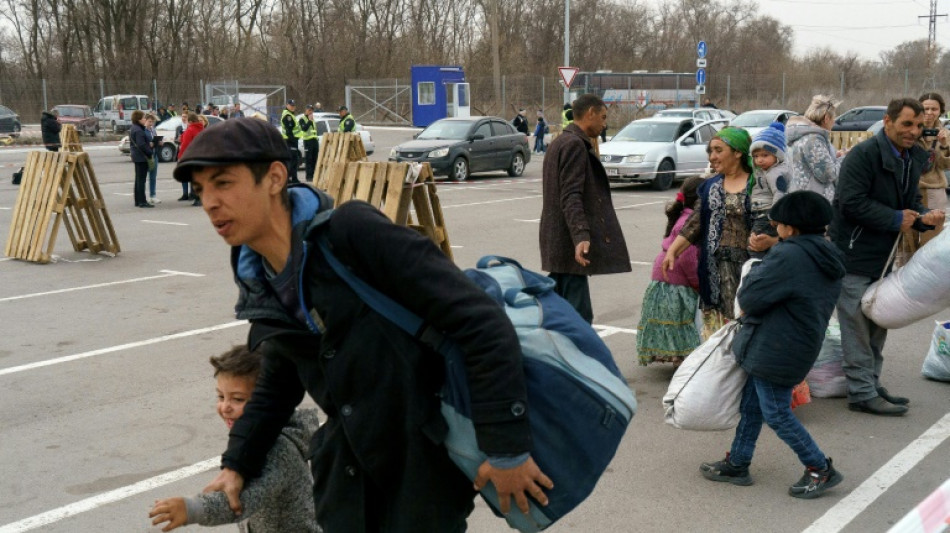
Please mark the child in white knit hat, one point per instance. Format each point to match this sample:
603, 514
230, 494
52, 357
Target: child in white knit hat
772, 178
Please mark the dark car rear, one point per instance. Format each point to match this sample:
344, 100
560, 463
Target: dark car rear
458, 147
9, 122
80, 116
859, 118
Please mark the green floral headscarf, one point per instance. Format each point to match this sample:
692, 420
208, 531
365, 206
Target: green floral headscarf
739, 140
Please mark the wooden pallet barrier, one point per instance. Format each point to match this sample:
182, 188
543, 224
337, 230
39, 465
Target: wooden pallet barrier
59, 186
392, 188
845, 140
335, 146
69, 139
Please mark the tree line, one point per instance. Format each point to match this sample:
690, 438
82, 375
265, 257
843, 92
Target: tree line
315, 47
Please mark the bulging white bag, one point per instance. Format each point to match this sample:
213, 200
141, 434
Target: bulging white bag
937, 363
705, 391
917, 290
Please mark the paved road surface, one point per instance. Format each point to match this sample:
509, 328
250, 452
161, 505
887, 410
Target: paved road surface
107, 400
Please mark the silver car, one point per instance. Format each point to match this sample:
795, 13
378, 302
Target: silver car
657, 150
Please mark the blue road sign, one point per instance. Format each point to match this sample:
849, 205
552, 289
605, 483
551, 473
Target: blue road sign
701, 49
701, 76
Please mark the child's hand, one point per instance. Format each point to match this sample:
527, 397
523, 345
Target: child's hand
171, 510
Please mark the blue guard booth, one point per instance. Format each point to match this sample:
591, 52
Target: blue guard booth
438, 92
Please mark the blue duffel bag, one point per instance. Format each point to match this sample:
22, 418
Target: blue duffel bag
578, 402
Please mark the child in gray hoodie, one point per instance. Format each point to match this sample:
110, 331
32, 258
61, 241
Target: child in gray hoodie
772, 178
278, 501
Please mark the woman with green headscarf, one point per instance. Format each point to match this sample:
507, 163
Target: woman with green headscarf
720, 224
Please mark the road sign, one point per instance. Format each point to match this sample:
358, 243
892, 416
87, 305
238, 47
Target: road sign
642, 99
700, 89
701, 49
701, 76
700, 63
568, 74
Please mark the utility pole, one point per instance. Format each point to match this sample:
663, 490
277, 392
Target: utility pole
931, 82
567, 44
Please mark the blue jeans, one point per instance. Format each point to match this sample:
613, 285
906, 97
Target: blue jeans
766, 401
539, 143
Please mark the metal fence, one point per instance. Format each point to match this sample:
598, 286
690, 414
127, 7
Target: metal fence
389, 101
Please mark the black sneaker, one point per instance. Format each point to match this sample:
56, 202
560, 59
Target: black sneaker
815, 482
726, 472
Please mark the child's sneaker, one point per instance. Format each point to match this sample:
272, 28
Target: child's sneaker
727, 472
815, 482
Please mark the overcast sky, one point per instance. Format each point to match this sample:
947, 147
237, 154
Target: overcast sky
867, 27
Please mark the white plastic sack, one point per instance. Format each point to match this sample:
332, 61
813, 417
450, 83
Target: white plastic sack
746, 268
937, 362
917, 290
826, 378
705, 391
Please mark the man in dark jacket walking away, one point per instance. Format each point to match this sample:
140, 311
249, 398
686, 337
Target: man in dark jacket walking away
786, 302
520, 122
876, 198
50, 128
580, 234
379, 463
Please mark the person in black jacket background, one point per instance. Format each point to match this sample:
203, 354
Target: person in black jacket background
379, 463
50, 128
141, 150
520, 122
786, 301
876, 197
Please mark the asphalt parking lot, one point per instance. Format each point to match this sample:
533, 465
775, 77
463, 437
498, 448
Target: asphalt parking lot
107, 400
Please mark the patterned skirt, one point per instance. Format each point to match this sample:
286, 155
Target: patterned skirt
667, 329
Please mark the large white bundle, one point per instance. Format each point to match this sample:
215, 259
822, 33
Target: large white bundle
705, 391
915, 291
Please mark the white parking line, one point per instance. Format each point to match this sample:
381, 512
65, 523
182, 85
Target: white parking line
606, 331
641, 263
119, 348
165, 274
99, 500
493, 201
638, 205
852, 505
165, 222
531, 220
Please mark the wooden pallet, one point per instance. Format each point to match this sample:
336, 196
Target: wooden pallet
845, 140
392, 188
69, 139
59, 186
335, 146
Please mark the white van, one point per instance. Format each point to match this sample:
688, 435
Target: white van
115, 112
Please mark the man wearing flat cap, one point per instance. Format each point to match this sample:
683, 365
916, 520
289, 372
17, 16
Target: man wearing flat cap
379, 462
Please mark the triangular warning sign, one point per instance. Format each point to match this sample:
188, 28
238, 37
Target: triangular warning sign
568, 74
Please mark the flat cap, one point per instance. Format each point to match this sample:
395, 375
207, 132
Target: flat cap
238, 140
808, 211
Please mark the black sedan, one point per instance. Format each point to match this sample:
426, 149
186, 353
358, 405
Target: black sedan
458, 147
9, 122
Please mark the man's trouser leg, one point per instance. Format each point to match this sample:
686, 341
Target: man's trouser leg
312, 147
575, 289
862, 341
293, 164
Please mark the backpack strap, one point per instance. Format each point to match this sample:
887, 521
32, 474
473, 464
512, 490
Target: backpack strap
393, 311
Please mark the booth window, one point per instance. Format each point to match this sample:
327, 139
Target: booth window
426, 92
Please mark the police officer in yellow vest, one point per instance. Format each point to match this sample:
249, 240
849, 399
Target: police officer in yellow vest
290, 131
567, 116
311, 144
347, 122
